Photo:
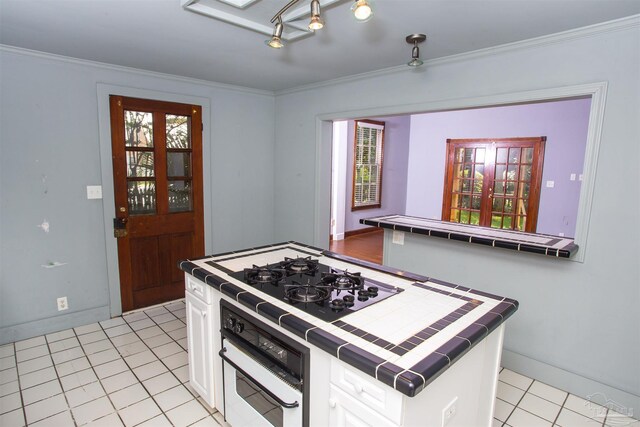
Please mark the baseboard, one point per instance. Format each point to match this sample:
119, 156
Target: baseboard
619, 400
36, 328
360, 231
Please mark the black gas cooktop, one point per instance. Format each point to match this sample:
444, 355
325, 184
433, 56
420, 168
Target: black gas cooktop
317, 289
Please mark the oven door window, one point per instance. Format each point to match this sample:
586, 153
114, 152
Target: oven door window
258, 400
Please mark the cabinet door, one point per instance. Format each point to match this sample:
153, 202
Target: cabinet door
348, 412
200, 340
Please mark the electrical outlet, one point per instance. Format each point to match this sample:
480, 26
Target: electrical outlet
550, 184
572, 177
62, 304
449, 411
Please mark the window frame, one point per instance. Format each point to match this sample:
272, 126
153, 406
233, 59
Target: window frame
378, 202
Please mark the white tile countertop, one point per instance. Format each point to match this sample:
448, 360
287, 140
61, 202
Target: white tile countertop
405, 340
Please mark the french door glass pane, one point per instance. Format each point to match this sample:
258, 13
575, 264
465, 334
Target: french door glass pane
507, 221
138, 129
178, 164
476, 202
179, 196
496, 221
464, 217
140, 164
498, 203
512, 173
525, 173
177, 128
508, 205
475, 218
455, 215
527, 155
522, 223
514, 155
480, 152
501, 155
141, 197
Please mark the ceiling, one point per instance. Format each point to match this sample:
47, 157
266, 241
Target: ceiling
161, 36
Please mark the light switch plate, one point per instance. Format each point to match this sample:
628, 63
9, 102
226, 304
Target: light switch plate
573, 177
94, 191
398, 237
550, 184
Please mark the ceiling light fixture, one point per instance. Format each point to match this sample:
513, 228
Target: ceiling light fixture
415, 39
276, 39
362, 10
316, 22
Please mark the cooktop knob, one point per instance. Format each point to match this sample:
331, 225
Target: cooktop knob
230, 323
238, 327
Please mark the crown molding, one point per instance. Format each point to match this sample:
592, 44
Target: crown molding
616, 25
131, 70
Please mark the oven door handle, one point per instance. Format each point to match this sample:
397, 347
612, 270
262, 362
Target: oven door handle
263, 388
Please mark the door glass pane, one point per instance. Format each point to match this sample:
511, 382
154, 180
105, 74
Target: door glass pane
179, 196
457, 185
179, 164
466, 201
479, 171
459, 155
525, 173
525, 192
527, 155
514, 155
458, 170
141, 197
138, 129
464, 217
475, 218
507, 222
466, 186
178, 135
455, 201
468, 155
259, 400
511, 188
468, 169
498, 187
501, 155
477, 186
476, 202
508, 205
501, 172
496, 221
455, 215
497, 204
480, 155
140, 164
522, 223
512, 173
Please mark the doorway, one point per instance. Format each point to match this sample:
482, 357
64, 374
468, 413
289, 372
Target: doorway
157, 176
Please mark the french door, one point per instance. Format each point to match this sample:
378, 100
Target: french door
494, 182
157, 176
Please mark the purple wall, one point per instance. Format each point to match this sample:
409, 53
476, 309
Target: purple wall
564, 123
394, 171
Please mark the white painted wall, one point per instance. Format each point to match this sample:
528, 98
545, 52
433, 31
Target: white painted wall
581, 319
49, 153
338, 178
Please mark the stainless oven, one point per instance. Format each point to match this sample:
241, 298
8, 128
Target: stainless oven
265, 373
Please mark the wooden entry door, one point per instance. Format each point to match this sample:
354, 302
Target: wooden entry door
494, 182
157, 175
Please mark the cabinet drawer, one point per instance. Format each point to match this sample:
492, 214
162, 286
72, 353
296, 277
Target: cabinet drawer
371, 392
199, 289
345, 411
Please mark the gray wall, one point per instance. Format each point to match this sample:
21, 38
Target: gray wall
394, 172
49, 153
579, 318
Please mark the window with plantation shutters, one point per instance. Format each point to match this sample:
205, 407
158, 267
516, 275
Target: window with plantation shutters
367, 164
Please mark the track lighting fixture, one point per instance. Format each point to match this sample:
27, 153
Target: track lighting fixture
415, 39
316, 22
362, 10
276, 39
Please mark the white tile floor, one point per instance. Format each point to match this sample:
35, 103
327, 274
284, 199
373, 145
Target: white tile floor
132, 371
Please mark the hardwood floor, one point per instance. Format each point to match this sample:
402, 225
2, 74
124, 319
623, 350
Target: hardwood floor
367, 246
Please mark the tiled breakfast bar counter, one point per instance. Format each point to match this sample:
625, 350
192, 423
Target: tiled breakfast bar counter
409, 350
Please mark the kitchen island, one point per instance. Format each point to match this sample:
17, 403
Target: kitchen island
352, 342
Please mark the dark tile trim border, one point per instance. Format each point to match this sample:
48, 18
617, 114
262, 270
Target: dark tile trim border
565, 252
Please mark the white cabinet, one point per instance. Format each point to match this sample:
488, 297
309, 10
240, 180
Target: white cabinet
200, 336
345, 411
